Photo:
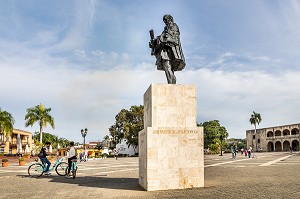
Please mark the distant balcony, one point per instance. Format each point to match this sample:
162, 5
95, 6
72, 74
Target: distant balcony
14, 144
2, 144
282, 137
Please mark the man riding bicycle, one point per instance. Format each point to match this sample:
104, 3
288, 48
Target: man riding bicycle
43, 157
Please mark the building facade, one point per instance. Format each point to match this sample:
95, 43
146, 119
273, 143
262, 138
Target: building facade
124, 149
9, 145
92, 147
277, 138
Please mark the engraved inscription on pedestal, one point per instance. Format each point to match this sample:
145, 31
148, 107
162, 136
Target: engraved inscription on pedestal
169, 131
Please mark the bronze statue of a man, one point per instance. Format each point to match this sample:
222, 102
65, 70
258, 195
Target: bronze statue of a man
167, 49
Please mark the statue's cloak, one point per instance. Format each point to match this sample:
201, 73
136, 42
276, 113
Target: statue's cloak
170, 49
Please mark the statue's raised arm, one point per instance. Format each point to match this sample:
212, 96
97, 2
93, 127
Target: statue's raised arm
167, 49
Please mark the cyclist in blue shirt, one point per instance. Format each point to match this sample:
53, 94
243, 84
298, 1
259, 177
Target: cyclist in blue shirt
43, 157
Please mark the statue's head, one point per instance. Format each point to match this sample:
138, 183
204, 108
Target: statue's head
167, 18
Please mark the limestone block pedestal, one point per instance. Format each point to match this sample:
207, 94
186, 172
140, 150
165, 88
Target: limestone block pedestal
170, 145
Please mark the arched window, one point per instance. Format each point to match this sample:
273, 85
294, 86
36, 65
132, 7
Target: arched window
278, 133
270, 134
286, 132
295, 131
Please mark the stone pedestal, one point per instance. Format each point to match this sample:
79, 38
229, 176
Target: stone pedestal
170, 145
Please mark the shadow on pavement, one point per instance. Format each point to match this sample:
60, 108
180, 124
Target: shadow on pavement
95, 181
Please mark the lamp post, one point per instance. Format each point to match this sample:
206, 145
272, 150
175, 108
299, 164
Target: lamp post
221, 140
83, 133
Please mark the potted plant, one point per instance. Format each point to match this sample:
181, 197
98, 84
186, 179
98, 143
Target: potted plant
21, 161
4, 162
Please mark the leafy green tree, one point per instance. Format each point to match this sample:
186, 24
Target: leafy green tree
255, 119
127, 125
214, 136
63, 142
240, 143
77, 143
106, 138
41, 115
47, 137
6, 122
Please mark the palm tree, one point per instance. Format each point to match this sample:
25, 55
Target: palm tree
41, 115
6, 123
255, 119
106, 139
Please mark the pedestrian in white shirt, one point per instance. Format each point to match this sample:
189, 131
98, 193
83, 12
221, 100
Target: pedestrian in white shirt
72, 155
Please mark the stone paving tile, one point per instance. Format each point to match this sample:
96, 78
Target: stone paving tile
243, 179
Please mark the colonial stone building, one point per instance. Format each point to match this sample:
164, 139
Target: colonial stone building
277, 138
8, 145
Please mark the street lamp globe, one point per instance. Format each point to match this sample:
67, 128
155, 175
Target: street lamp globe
83, 133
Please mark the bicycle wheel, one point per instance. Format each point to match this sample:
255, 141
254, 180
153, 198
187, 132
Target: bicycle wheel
61, 168
36, 170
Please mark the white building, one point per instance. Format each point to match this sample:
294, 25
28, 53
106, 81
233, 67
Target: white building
123, 148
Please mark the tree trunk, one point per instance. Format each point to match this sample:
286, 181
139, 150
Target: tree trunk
41, 136
255, 138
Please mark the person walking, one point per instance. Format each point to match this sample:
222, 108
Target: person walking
81, 156
234, 151
86, 154
249, 152
116, 153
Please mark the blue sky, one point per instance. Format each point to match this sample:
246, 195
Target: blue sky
89, 59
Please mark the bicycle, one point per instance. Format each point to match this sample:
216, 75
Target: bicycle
37, 169
73, 168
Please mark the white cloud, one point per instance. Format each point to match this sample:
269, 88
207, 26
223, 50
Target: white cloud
78, 98
233, 61
81, 54
92, 98
231, 97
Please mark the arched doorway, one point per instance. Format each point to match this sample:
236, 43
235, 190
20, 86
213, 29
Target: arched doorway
270, 146
295, 145
286, 145
277, 133
278, 146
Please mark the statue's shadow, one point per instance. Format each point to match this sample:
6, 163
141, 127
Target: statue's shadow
96, 181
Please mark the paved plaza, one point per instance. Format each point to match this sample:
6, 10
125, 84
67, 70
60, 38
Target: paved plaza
267, 175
